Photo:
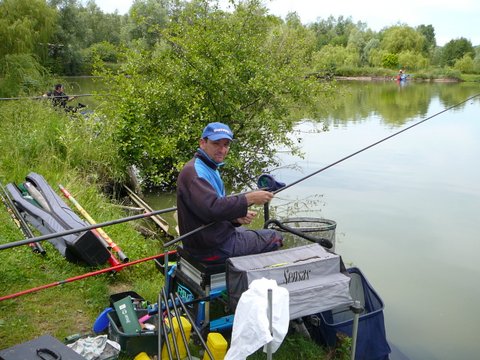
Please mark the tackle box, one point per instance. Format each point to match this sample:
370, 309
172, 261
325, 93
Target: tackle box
133, 344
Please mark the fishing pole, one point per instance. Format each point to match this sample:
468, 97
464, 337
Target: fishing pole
371, 145
170, 324
99, 230
46, 97
83, 276
20, 221
107, 223
85, 228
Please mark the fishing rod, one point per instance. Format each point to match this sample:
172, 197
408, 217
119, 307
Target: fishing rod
46, 97
99, 230
83, 276
85, 228
275, 187
270, 184
108, 223
20, 221
276, 191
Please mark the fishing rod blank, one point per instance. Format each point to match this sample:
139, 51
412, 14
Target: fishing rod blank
85, 228
41, 97
146, 215
180, 327
20, 221
173, 335
83, 276
99, 230
194, 327
104, 224
372, 145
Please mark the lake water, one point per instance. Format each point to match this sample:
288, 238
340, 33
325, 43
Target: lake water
407, 209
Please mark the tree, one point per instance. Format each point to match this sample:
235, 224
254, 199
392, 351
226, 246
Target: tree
400, 38
389, 60
70, 36
332, 31
146, 18
25, 27
430, 43
371, 49
411, 60
241, 68
360, 40
456, 49
331, 57
25, 30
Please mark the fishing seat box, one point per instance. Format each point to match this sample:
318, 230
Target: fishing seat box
201, 278
315, 278
43, 347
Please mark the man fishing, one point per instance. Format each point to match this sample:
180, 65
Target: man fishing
59, 98
201, 200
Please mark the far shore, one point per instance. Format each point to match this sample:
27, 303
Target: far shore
389, 78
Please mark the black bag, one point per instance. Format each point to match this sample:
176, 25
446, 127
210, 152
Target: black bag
45, 347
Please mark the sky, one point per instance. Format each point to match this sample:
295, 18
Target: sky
450, 19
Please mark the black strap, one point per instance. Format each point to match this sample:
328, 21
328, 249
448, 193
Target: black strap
51, 354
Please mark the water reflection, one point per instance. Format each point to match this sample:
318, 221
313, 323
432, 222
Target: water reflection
394, 105
406, 209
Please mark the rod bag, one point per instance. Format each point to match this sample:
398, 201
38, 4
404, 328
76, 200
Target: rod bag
84, 246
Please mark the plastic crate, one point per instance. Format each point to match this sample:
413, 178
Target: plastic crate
144, 341
137, 299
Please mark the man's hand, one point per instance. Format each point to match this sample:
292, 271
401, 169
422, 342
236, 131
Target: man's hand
247, 219
258, 197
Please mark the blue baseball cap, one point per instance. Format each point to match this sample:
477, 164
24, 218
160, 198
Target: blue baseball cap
216, 131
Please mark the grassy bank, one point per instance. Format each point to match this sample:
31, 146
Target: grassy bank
73, 152
80, 154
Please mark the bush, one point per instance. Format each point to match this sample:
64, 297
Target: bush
390, 61
412, 61
22, 75
37, 131
465, 65
241, 68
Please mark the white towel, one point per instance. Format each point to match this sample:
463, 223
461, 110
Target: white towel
251, 328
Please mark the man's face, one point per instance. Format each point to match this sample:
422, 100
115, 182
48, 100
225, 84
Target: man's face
217, 150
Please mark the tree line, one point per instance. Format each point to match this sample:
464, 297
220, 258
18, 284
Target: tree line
64, 36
